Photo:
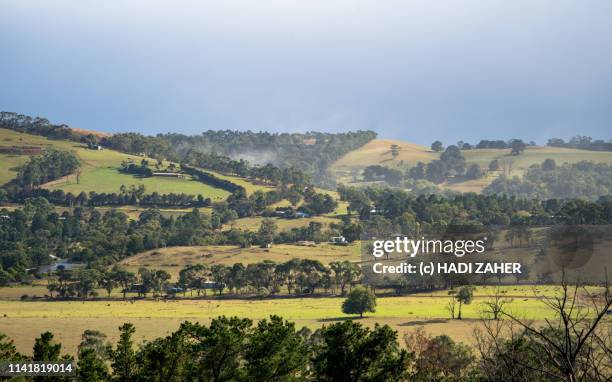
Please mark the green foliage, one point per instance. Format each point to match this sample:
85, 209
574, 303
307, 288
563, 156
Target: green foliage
474, 172
376, 173
217, 349
45, 349
359, 301
437, 146
8, 351
494, 165
91, 367
585, 180
451, 164
349, 352
517, 146
51, 165
464, 295
123, 358
276, 352
581, 142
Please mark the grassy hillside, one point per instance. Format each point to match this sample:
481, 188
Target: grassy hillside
99, 169
378, 152
173, 259
253, 223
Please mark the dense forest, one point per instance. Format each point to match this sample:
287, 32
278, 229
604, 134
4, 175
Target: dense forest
404, 209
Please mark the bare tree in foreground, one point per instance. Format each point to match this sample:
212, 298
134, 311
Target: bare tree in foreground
574, 346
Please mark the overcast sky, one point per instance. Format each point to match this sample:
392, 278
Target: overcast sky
413, 70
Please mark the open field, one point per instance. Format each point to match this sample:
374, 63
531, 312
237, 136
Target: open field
378, 152
108, 179
23, 321
173, 259
253, 223
8, 165
99, 169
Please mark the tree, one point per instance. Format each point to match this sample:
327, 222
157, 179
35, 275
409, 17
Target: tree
96, 341
108, 281
352, 232
217, 348
124, 278
418, 172
464, 296
549, 165
573, 347
518, 146
451, 306
437, 146
348, 351
453, 159
267, 230
86, 282
495, 305
494, 165
219, 275
123, 358
91, 367
275, 352
45, 349
395, 151
8, 351
474, 172
359, 301
438, 358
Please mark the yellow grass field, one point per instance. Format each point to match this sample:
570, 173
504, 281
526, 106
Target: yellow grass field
23, 321
253, 223
173, 259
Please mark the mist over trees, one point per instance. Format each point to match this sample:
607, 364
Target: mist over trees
583, 180
311, 152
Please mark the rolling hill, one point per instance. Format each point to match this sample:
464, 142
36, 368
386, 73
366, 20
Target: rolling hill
378, 152
99, 169
173, 259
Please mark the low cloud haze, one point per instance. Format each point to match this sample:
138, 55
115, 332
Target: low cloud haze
413, 70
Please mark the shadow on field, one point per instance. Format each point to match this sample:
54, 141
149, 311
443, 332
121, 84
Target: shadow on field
424, 322
334, 319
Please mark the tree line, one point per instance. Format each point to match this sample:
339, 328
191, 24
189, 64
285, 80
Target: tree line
581, 142
406, 211
134, 196
584, 180
210, 179
266, 278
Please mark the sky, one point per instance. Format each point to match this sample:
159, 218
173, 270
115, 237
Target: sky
412, 70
